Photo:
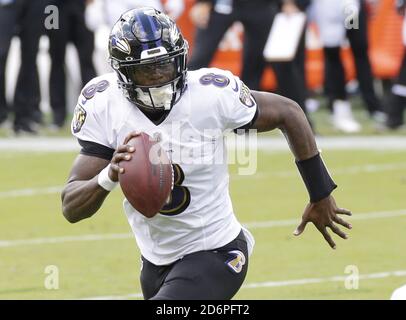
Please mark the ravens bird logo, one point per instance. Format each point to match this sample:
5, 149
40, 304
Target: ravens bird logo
79, 118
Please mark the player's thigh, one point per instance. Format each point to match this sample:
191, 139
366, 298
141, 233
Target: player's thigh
206, 275
152, 278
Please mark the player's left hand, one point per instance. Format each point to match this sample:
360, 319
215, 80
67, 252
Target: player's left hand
324, 214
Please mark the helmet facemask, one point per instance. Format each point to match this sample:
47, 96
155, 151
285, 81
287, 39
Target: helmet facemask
155, 83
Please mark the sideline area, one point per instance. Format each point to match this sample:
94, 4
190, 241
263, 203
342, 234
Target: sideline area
46, 144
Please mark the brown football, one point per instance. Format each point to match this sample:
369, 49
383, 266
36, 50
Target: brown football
148, 177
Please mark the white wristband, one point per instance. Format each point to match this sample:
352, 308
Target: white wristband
104, 180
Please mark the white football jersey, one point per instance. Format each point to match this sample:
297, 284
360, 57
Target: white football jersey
199, 215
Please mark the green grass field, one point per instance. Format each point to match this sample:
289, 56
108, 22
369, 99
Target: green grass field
110, 265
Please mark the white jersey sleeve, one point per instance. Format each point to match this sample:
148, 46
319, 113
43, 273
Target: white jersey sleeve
237, 106
91, 120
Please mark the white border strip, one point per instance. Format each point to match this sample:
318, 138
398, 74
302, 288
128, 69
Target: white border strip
274, 284
369, 168
44, 144
268, 284
250, 225
30, 192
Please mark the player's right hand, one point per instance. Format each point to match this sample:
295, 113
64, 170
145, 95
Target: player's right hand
122, 153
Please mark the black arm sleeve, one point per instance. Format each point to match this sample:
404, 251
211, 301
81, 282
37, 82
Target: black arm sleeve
316, 177
249, 124
94, 149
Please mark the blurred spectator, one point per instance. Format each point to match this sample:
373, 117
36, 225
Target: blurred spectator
397, 100
24, 18
332, 17
291, 74
213, 18
101, 15
112, 10
72, 28
107, 12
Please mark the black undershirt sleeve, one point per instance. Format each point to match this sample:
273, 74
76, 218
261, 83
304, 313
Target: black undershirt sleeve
251, 123
94, 149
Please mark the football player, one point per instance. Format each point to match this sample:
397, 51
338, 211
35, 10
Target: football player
194, 248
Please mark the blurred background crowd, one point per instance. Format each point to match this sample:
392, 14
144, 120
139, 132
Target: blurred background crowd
348, 48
